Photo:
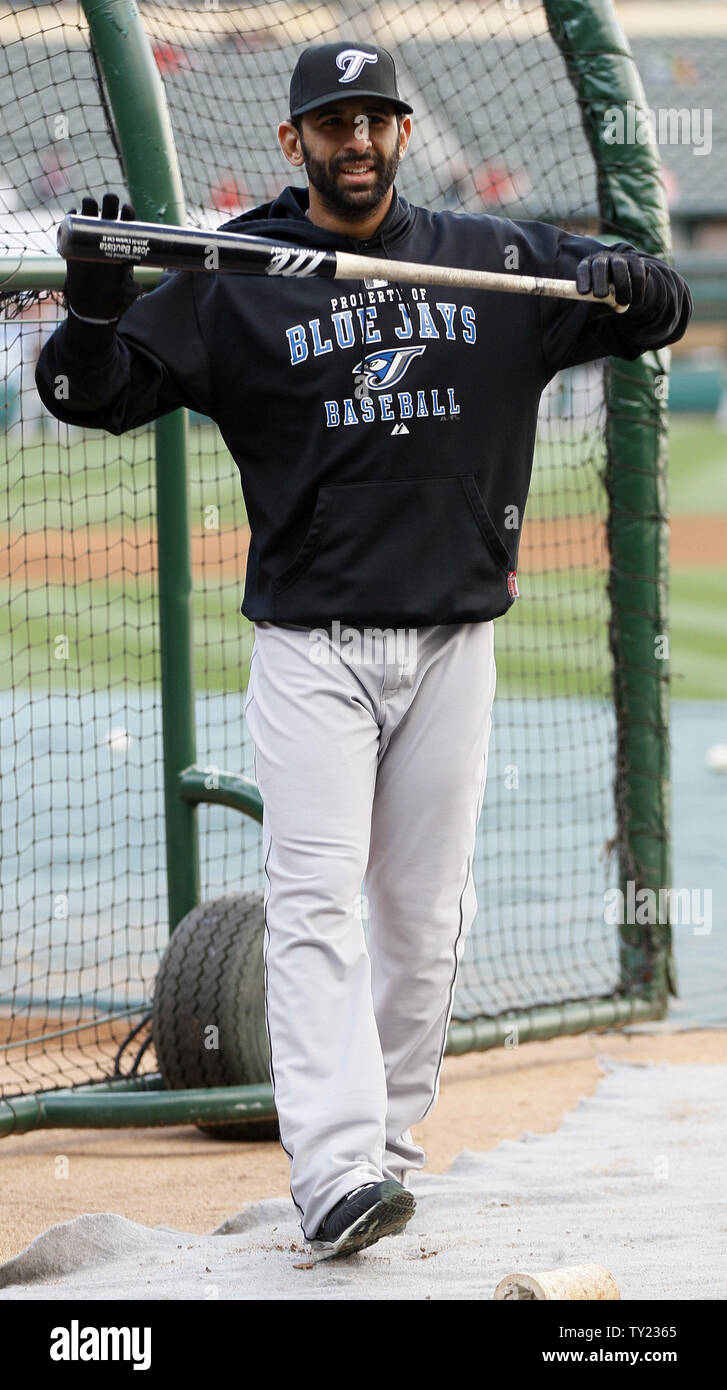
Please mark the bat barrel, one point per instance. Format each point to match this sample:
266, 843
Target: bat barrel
406, 272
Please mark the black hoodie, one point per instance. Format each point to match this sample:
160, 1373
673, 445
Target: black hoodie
384, 434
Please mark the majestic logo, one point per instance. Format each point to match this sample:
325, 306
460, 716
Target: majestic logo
385, 368
351, 61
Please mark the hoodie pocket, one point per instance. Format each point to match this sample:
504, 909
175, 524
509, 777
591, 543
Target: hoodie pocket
416, 550
487, 526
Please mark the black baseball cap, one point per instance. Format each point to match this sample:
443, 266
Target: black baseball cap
328, 72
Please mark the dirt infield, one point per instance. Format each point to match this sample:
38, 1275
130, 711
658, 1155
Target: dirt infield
177, 1177
85, 554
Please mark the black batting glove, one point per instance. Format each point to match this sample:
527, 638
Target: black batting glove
627, 271
94, 290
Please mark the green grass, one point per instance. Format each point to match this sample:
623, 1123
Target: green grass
553, 641
100, 480
698, 627
112, 637
565, 478
550, 643
697, 466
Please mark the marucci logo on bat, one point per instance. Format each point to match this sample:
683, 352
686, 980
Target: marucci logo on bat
283, 261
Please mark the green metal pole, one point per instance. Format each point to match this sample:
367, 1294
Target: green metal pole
225, 789
632, 207
141, 1100
137, 100
49, 1110
35, 271
548, 1021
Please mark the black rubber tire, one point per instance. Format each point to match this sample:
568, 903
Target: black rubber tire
212, 974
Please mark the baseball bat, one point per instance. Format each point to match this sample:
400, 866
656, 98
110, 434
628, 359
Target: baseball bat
186, 248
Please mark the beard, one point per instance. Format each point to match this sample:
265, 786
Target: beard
350, 202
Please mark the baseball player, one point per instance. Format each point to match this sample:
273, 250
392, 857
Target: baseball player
384, 437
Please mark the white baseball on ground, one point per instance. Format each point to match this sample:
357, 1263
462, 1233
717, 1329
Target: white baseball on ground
716, 757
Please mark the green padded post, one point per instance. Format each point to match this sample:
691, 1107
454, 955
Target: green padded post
632, 207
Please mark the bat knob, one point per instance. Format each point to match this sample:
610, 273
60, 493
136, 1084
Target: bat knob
63, 235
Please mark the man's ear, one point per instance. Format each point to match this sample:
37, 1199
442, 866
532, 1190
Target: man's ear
289, 142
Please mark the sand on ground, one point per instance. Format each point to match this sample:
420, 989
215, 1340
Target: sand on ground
180, 1178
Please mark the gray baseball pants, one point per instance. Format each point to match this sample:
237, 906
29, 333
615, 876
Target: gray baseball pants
370, 754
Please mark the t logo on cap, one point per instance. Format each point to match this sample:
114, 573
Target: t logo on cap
367, 72
351, 62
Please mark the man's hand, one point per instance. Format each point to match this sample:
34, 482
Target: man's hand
625, 270
94, 290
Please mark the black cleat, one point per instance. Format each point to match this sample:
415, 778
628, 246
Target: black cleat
363, 1217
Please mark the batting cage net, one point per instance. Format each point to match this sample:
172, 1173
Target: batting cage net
499, 127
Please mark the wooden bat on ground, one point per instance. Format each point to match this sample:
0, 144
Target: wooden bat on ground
186, 248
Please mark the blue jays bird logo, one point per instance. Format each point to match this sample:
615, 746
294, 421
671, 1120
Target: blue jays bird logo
387, 366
